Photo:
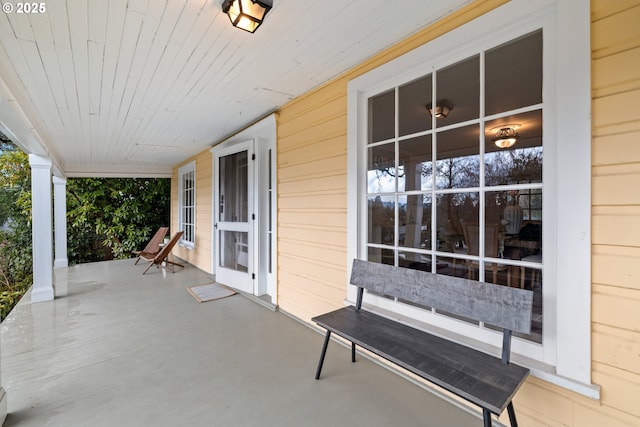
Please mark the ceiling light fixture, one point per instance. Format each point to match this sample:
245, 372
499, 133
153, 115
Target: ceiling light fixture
246, 14
440, 111
506, 136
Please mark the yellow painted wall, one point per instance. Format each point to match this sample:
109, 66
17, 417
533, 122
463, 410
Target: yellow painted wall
312, 213
200, 256
312, 218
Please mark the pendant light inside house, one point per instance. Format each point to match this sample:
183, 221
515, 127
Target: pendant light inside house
246, 14
439, 111
505, 137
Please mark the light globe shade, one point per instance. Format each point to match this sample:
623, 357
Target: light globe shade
246, 14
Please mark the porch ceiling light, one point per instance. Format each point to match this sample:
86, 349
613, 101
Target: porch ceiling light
439, 111
506, 136
246, 14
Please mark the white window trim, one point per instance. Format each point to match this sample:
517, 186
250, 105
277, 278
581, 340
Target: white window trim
189, 167
565, 358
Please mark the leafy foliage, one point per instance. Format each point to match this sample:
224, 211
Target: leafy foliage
117, 214
106, 218
16, 266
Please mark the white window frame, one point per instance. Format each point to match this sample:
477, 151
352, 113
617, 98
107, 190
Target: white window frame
182, 171
564, 358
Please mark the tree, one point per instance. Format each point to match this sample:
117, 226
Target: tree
106, 218
111, 217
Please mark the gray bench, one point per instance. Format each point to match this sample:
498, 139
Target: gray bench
487, 381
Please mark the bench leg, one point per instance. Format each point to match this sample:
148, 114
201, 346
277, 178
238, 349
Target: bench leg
512, 415
353, 352
486, 416
322, 354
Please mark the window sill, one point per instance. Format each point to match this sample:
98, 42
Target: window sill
538, 369
187, 245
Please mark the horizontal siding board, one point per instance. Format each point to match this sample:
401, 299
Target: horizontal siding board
335, 182
331, 147
329, 110
314, 169
616, 225
612, 184
330, 254
616, 266
616, 307
608, 38
301, 218
617, 113
625, 78
600, 415
326, 131
619, 388
617, 348
314, 200
616, 149
604, 8
336, 236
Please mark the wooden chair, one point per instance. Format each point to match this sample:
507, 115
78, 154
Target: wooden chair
161, 259
153, 247
472, 241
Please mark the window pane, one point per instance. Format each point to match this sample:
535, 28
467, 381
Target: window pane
514, 74
415, 159
381, 220
234, 188
522, 162
458, 158
414, 216
381, 172
452, 210
413, 99
383, 256
458, 87
382, 116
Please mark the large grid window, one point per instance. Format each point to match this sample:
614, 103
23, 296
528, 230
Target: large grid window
187, 204
454, 176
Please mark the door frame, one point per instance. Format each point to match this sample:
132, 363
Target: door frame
264, 263
237, 279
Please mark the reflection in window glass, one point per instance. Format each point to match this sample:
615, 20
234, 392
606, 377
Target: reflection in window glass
412, 115
458, 87
414, 221
514, 74
381, 171
487, 220
382, 117
458, 154
522, 162
415, 158
383, 256
381, 220
451, 210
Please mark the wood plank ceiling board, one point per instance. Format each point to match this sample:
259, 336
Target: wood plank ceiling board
133, 87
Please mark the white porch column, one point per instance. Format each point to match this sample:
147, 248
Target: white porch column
60, 221
41, 218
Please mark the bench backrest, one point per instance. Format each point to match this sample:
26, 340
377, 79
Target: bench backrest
502, 306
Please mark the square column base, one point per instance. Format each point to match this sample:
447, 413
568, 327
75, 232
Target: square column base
42, 294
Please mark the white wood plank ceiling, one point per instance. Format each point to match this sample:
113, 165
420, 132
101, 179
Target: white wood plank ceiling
133, 87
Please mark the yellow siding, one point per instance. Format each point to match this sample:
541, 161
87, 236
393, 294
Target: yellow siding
616, 211
201, 255
312, 219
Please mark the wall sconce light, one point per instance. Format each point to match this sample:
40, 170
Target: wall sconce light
246, 14
506, 136
440, 111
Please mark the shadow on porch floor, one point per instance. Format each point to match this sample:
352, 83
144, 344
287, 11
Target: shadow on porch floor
122, 349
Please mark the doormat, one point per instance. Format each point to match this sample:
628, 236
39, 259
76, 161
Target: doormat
210, 292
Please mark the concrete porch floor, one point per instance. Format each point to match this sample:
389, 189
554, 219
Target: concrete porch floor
120, 349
